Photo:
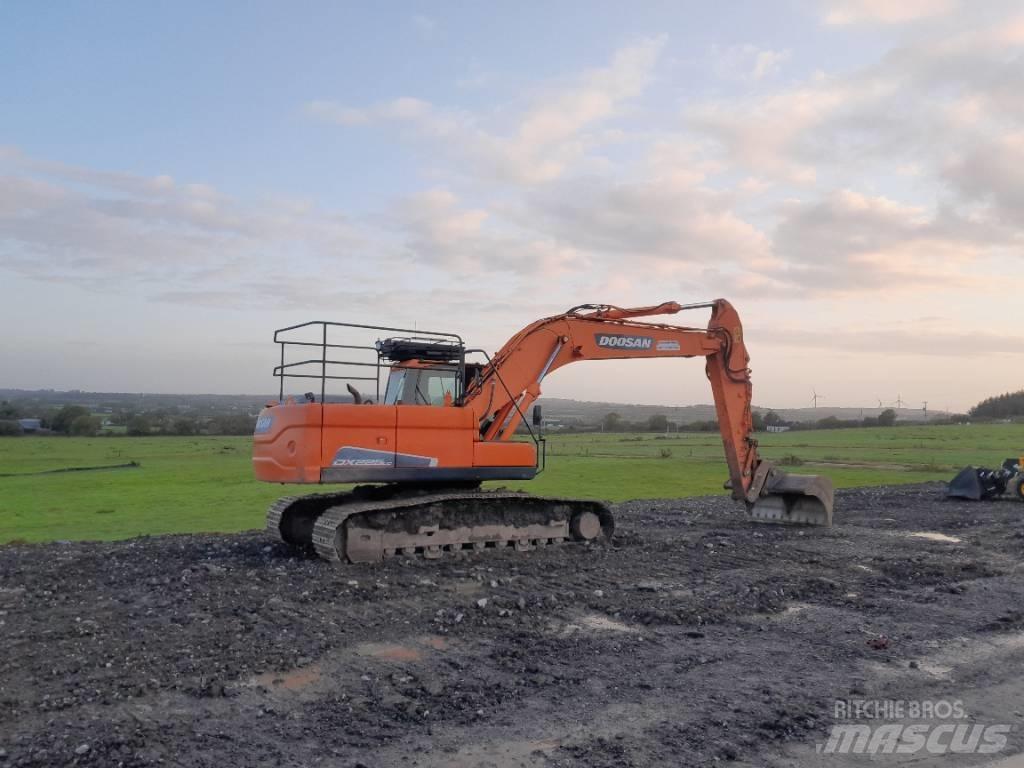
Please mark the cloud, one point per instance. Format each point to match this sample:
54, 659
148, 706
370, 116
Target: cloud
842, 12
658, 221
917, 101
98, 228
773, 132
701, 205
440, 232
928, 342
991, 173
747, 62
404, 109
774, 189
850, 242
768, 62
547, 136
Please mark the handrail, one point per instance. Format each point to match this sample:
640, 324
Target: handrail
291, 370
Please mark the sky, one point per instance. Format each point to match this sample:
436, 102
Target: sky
177, 180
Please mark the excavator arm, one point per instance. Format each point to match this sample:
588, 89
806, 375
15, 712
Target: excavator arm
511, 382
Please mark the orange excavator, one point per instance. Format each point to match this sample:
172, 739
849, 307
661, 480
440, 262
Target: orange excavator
446, 423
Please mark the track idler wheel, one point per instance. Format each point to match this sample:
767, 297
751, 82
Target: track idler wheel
585, 526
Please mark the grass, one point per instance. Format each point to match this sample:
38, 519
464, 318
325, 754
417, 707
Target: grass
182, 484
194, 484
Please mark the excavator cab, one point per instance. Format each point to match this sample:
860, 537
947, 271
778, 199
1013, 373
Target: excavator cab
426, 372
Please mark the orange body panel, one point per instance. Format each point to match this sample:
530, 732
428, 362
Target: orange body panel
294, 443
445, 435
357, 426
286, 444
502, 454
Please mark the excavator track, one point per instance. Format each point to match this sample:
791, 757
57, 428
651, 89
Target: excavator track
370, 524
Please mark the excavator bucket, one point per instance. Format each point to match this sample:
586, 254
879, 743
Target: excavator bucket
803, 499
979, 484
966, 485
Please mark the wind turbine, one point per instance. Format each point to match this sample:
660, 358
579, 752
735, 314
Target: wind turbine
816, 397
925, 410
899, 401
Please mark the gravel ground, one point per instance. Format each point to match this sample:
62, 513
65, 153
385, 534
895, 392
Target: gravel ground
695, 637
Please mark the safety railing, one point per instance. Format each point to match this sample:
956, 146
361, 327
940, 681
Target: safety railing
304, 340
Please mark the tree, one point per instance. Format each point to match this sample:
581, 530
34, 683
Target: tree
701, 426
657, 423
9, 428
757, 419
183, 425
612, 422
235, 424
887, 418
8, 410
139, 425
84, 426
1000, 407
772, 419
66, 416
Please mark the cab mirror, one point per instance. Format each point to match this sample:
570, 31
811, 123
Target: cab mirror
537, 418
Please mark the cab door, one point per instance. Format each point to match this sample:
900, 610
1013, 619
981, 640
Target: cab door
432, 432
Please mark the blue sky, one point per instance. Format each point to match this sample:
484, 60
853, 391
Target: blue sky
178, 179
216, 92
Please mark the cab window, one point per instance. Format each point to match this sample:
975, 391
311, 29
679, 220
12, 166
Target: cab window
420, 386
396, 381
439, 384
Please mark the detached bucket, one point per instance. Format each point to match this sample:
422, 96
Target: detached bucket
966, 485
801, 499
981, 484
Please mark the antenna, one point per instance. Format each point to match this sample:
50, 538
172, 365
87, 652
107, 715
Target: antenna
816, 397
880, 404
925, 410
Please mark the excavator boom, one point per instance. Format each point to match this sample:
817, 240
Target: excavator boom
445, 425
512, 381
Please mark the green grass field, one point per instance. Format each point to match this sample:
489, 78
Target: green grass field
192, 484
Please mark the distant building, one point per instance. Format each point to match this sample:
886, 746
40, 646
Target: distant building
777, 428
30, 425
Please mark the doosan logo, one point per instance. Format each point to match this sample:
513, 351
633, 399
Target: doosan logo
623, 342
